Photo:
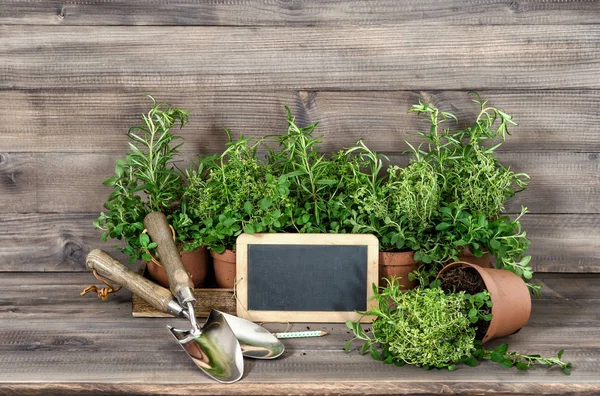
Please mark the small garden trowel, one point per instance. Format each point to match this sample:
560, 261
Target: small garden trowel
214, 348
256, 342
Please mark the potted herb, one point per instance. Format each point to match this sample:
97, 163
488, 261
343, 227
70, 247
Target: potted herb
344, 192
231, 193
431, 328
318, 184
474, 187
146, 181
396, 208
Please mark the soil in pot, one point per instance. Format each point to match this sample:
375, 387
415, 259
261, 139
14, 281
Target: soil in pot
224, 265
195, 262
469, 281
509, 294
398, 264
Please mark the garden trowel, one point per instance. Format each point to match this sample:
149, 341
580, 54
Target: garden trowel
256, 342
214, 348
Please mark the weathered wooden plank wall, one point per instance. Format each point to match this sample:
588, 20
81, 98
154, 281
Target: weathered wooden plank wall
73, 78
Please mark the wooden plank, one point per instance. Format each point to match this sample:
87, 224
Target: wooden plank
59, 242
34, 295
57, 341
564, 243
561, 182
293, 388
304, 12
144, 353
49, 242
96, 120
345, 58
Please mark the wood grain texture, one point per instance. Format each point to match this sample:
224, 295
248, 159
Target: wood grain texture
57, 295
59, 242
206, 299
345, 58
297, 12
160, 232
49, 242
293, 388
561, 182
62, 342
72, 120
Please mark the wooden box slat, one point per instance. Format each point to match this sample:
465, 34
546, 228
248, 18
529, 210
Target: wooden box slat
206, 299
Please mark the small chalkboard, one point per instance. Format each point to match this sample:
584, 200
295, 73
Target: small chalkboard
305, 277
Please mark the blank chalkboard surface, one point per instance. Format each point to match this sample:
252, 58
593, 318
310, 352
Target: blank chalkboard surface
305, 277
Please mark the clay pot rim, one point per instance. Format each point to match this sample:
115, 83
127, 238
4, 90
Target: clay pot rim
156, 261
227, 255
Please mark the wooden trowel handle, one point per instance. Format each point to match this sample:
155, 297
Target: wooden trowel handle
110, 268
180, 281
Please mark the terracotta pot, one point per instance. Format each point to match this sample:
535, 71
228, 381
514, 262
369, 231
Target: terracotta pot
510, 298
483, 261
398, 264
224, 264
195, 262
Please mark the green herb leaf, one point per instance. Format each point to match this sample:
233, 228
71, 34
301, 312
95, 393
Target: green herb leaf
522, 366
144, 239
265, 203
111, 181
442, 226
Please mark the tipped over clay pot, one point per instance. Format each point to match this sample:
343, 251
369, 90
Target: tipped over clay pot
195, 262
510, 298
224, 264
398, 264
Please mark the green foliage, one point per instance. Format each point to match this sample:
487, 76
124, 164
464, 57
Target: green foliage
423, 327
145, 181
397, 209
471, 173
319, 184
235, 192
432, 329
507, 359
456, 229
474, 188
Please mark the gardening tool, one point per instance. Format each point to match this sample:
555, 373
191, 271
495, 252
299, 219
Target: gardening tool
214, 349
256, 342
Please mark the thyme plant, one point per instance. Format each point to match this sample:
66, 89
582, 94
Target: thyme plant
428, 328
474, 187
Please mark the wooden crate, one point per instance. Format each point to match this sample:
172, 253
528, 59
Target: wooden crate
206, 299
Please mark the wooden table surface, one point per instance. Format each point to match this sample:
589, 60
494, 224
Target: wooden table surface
52, 341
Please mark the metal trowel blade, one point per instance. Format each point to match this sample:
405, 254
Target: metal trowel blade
256, 341
216, 350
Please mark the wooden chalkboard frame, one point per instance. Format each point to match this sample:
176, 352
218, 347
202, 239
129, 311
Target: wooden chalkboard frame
244, 240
